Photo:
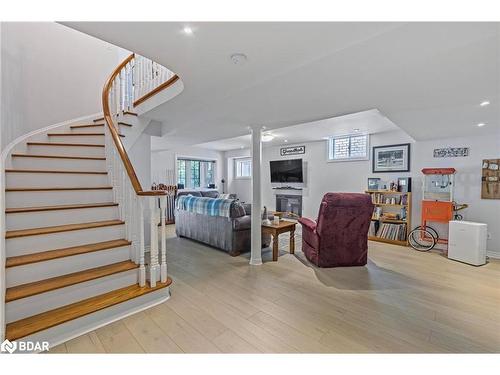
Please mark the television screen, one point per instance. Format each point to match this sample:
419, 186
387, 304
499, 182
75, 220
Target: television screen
286, 170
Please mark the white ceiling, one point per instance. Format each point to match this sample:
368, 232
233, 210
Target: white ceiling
428, 78
366, 122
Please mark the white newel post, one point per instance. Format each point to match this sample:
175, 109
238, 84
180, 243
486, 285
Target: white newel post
163, 218
153, 262
142, 268
256, 237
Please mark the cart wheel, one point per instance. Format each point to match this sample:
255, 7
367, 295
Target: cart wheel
431, 230
422, 240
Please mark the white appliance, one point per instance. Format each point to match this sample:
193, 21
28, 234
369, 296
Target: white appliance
467, 242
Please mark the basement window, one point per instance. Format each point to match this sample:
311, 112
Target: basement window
243, 168
348, 147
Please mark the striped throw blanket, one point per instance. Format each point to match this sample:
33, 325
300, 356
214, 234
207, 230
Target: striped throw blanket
204, 205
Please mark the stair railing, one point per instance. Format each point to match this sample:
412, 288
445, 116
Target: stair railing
132, 82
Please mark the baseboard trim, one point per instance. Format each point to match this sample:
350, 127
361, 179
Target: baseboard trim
493, 254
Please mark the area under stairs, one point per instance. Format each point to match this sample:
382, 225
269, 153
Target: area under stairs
68, 264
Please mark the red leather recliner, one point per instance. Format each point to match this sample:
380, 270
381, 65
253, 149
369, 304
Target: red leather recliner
339, 238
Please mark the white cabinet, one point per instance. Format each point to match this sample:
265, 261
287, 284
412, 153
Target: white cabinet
467, 242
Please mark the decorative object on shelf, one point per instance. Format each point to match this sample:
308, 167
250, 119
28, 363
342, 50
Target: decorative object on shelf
404, 184
373, 183
490, 179
292, 150
391, 158
451, 152
265, 218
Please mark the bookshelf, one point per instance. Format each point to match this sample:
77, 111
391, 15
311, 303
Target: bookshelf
391, 220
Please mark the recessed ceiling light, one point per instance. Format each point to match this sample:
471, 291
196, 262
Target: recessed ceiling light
267, 137
355, 130
481, 124
326, 138
485, 103
286, 141
187, 30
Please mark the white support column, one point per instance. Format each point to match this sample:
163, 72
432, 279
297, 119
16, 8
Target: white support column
256, 248
163, 260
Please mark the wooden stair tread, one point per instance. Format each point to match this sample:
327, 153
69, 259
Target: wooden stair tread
43, 256
85, 126
74, 134
63, 144
124, 124
59, 188
130, 113
57, 157
40, 322
52, 171
99, 119
59, 207
42, 286
60, 228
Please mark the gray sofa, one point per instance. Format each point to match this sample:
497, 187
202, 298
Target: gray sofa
229, 234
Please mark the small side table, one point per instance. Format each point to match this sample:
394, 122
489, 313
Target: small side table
275, 230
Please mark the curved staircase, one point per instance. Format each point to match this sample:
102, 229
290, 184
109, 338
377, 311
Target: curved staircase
74, 220
67, 255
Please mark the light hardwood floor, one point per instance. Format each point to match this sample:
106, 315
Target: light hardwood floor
403, 301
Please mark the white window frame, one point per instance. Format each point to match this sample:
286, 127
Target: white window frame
329, 148
239, 160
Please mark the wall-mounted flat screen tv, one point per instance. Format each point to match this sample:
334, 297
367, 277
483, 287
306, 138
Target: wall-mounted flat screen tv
286, 170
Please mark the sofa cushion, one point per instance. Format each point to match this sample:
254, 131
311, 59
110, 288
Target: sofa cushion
194, 193
237, 210
210, 193
242, 223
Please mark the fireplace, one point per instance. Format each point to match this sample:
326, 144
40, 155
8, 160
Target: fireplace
289, 203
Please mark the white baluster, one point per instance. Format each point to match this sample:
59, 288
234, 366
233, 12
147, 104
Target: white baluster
163, 218
142, 268
153, 253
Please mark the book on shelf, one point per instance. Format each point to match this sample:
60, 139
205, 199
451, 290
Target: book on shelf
385, 198
396, 232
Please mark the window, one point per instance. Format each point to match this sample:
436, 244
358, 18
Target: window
192, 173
195, 174
243, 168
348, 147
181, 172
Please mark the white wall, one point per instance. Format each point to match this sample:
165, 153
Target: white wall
242, 187
163, 161
323, 176
140, 157
50, 73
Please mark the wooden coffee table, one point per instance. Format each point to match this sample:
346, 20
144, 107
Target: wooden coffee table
275, 230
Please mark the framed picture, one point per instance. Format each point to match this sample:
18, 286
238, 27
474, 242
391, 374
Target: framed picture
391, 158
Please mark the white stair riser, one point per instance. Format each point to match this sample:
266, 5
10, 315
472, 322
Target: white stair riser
16, 179
62, 266
87, 139
37, 304
59, 164
91, 129
77, 327
65, 150
43, 242
40, 219
51, 198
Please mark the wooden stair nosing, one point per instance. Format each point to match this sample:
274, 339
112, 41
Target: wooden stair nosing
60, 228
63, 144
21, 260
58, 188
130, 113
59, 207
74, 134
85, 126
49, 171
47, 285
57, 157
124, 124
49, 319
99, 119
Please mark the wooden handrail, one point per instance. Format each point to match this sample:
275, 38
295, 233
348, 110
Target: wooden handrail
156, 90
112, 129
108, 118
